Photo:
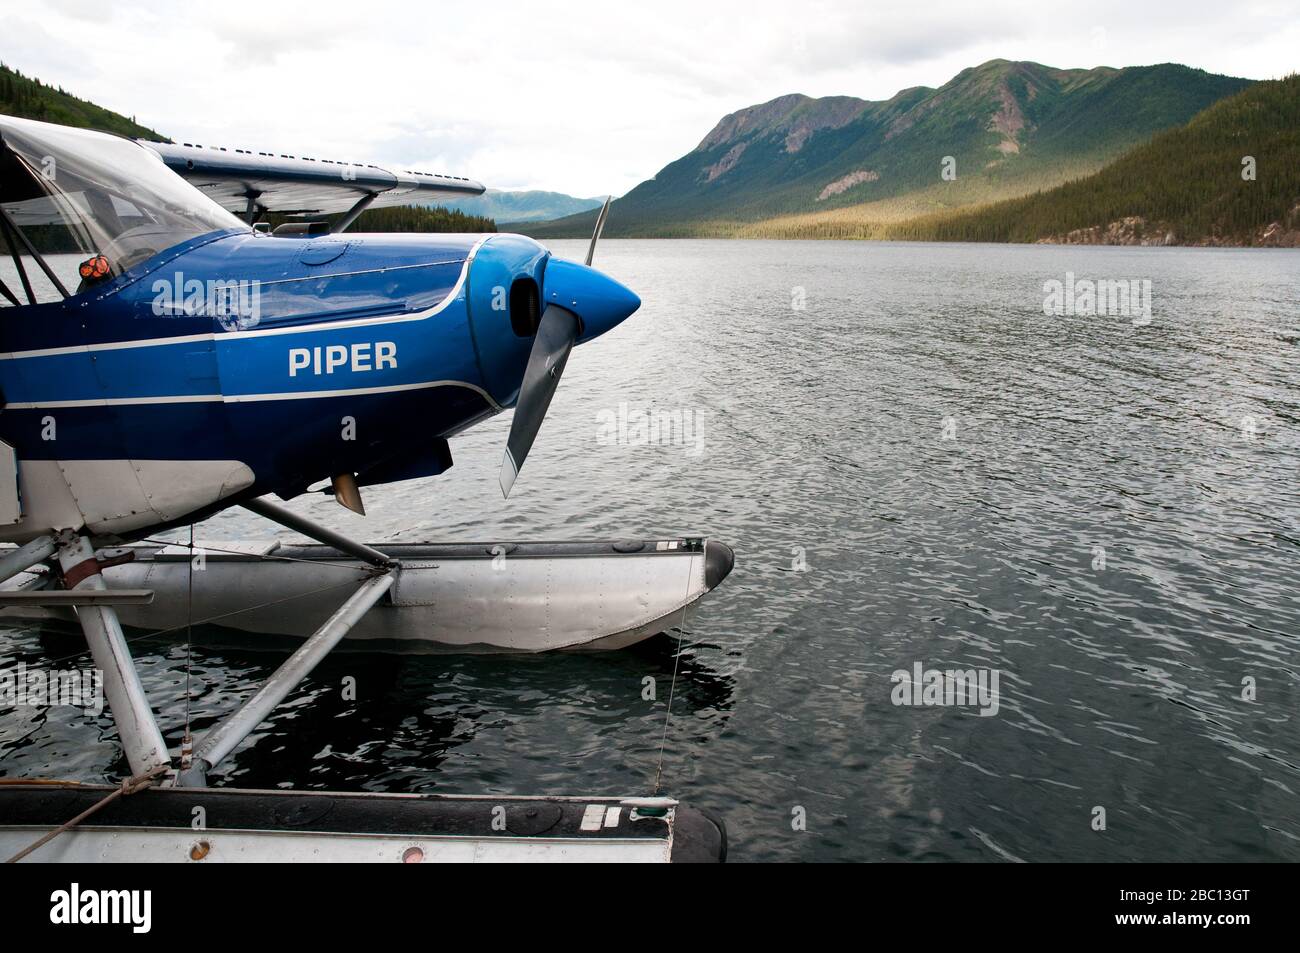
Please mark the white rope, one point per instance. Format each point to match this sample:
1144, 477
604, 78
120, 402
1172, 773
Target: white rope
672, 688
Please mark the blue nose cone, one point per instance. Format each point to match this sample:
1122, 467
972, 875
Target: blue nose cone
597, 299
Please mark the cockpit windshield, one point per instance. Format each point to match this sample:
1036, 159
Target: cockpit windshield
72, 190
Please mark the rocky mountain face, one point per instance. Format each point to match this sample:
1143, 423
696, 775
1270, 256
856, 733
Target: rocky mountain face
995, 130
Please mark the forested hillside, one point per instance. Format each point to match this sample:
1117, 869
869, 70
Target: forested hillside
1230, 175
31, 99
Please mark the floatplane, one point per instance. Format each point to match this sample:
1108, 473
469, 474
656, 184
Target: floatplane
178, 358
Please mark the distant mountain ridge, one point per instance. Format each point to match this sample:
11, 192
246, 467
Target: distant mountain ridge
1009, 127
526, 206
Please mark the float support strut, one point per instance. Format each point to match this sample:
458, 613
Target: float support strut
278, 514
141, 739
225, 737
27, 556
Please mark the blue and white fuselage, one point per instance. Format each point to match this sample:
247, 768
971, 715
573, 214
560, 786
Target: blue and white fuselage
235, 364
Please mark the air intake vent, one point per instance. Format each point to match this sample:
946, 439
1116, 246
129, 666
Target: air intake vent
525, 307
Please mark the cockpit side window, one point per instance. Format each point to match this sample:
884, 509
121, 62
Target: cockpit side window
40, 241
86, 207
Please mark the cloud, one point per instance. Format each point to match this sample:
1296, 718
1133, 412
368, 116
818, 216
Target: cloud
584, 98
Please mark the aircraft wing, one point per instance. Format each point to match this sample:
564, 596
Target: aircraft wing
244, 180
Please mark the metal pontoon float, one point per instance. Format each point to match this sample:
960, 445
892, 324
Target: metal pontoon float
461, 597
156, 826
488, 596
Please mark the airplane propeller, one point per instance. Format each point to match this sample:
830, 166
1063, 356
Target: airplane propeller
557, 332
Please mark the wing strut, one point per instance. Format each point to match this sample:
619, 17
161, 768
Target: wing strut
254, 211
354, 212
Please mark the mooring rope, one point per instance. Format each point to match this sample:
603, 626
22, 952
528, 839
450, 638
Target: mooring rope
672, 688
187, 740
128, 786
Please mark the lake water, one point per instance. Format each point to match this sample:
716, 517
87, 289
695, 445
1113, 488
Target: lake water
915, 466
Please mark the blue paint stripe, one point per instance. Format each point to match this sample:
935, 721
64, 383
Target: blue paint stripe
236, 365
259, 434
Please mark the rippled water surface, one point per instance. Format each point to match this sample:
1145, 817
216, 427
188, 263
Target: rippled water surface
1107, 515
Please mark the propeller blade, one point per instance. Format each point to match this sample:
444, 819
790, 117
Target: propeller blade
556, 334
600, 227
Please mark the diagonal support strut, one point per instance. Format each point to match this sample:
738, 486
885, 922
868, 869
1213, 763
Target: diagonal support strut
322, 534
225, 737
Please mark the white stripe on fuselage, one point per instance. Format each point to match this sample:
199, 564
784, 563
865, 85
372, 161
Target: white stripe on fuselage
261, 332
247, 398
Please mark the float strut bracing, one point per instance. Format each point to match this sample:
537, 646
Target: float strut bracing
225, 737
322, 534
141, 739
27, 556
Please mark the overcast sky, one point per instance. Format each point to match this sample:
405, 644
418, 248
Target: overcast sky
580, 97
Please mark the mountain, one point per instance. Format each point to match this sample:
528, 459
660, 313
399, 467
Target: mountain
533, 206
1009, 127
1185, 186
32, 99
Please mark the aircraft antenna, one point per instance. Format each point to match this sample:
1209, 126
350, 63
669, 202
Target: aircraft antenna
600, 227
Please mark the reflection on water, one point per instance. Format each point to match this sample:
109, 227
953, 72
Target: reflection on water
918, 466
